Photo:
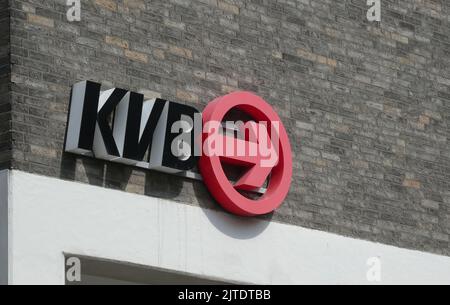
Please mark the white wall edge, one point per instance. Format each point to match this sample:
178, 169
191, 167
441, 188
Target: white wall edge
4, 227
52, 217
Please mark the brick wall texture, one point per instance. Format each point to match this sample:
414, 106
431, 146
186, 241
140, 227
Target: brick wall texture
5, 86
367, 105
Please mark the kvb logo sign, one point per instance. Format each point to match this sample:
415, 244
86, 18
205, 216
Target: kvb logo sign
119, 126
272, 159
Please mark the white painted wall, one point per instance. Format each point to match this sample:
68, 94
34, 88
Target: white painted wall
50, 217
3, 227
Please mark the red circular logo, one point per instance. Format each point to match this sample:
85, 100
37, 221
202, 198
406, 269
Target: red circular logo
270, 164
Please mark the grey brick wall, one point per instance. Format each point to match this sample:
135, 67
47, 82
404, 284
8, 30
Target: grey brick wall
367, 105
5, 86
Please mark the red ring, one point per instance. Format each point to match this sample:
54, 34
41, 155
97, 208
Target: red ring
211, 168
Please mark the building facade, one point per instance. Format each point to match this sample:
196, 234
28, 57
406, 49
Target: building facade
366, 106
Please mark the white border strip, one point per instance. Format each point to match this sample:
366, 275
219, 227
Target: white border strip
4, 230
52, 217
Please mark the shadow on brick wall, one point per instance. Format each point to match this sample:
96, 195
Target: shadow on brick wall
93, 171
165, 186
117, 176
